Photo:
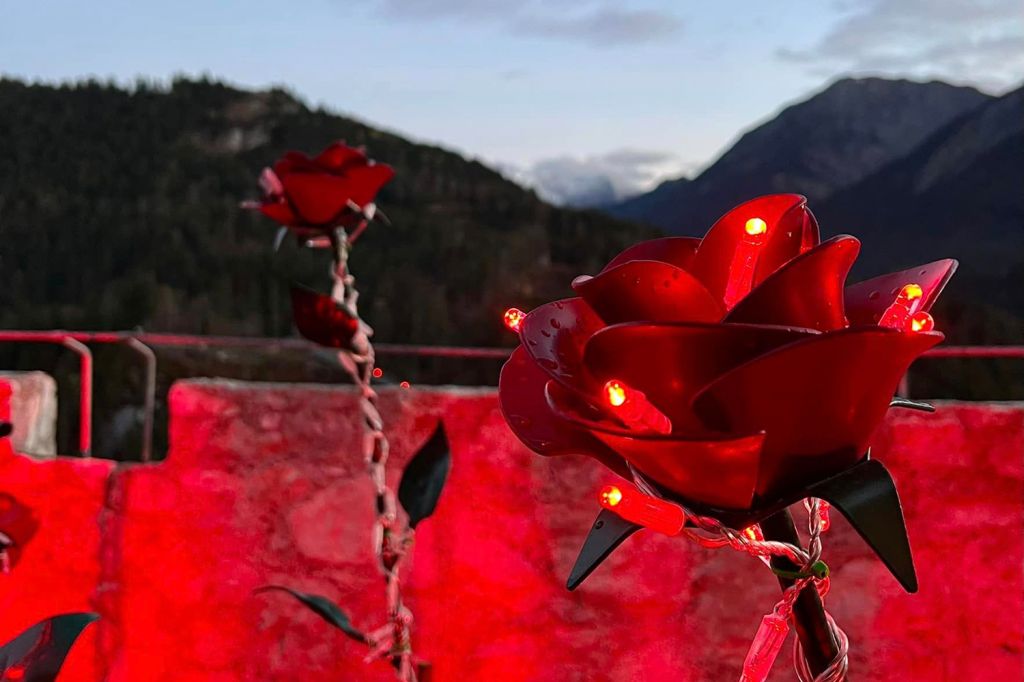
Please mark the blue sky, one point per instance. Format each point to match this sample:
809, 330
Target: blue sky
662, 85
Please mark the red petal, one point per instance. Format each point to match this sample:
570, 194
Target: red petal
818, 400
294, 161
805, 292
648, 290
554, 335
791, 230
521, 396
319, 319
366, 181
340, 156
677, 251
672, 362
867, 300
317, 197
280, 212
720, 472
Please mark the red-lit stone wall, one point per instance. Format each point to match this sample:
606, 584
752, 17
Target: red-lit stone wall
263, 485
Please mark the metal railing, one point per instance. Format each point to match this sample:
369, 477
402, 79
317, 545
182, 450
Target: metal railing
142, 344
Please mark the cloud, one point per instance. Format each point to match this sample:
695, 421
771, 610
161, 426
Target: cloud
980, 42
598, 24
597, 180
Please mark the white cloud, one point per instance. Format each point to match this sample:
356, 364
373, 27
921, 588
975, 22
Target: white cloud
597, 180
980, 42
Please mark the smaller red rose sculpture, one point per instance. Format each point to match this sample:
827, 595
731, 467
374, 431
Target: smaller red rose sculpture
729, 370
335, 189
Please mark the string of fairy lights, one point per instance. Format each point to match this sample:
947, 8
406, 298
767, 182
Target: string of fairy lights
643, 505
391, 540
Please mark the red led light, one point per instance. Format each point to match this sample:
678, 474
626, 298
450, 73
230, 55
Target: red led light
755, 226
634, 409
921, 322
616, 393
753, 533
611, 496
404, 384
744, 261
514, 318
651, 512
377, 372
904, 308
823, 508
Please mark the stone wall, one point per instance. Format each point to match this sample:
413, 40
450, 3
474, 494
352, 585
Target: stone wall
264, 485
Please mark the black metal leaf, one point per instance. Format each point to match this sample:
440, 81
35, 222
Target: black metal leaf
37, 654
323, 607
424, 477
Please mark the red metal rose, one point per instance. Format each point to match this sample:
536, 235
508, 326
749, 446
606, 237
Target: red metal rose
336, 188
729, 370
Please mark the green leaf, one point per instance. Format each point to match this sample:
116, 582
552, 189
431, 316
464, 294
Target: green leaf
323, 607
424, 477
37, 654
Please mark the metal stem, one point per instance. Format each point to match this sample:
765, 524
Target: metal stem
819, 645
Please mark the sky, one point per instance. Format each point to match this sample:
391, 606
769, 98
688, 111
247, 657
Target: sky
633, 91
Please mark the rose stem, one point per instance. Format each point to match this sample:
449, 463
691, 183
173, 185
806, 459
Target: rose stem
816, 638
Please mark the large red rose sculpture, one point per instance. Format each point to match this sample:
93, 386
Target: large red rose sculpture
311, 196
730, 370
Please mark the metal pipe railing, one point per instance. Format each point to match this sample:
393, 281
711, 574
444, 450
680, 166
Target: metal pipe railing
84, 376
142, 344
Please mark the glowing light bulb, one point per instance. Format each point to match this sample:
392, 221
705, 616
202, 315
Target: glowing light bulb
404, 384
377, 372
611, 496
514, 318
823, 509
755, 226
753, 533
634, 410
903, 308
616, 393
744, 261
650, 512
921, 322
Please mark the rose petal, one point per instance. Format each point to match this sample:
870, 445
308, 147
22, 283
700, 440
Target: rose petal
280, 212
339, 156
805, 292
317, 197
791, 230
320, 319
672, 362
719, 471
554, 335
521, 396
677, 251
867, 300
294, 162
648, 290
366, 181
818, 400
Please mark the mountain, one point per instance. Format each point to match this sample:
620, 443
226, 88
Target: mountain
961, 192
816, 147
119, 209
